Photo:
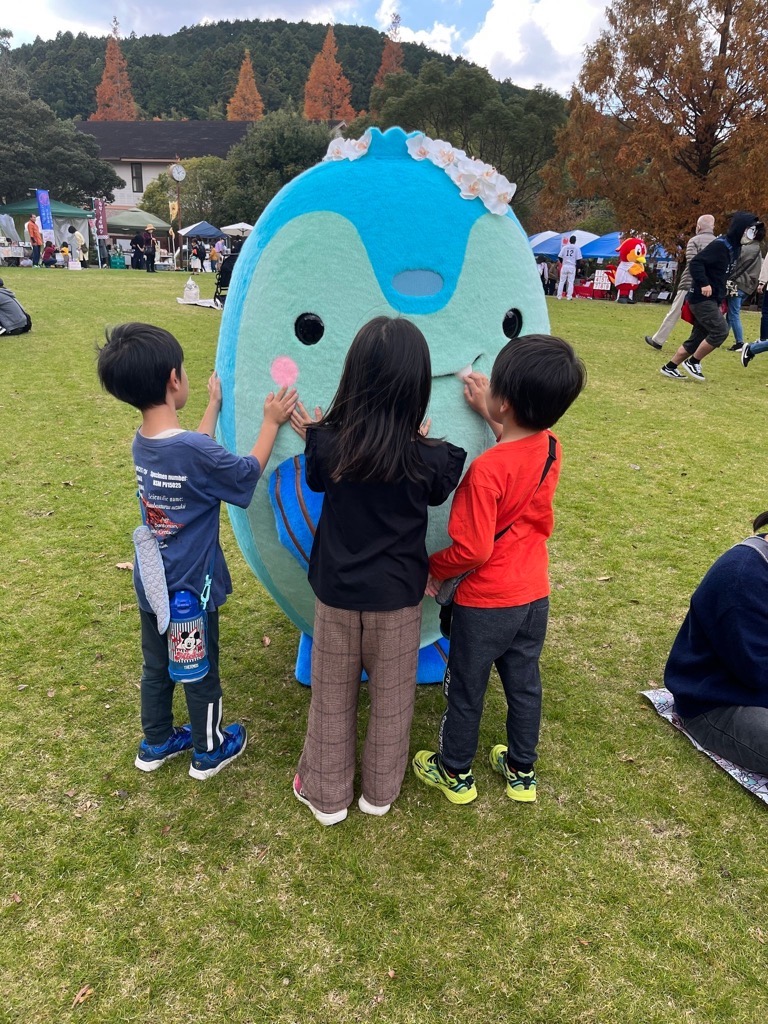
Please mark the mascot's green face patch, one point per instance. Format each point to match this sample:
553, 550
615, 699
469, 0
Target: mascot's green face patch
383, 234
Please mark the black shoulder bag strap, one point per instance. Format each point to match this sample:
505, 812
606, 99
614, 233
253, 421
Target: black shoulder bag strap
551, 457
448, 588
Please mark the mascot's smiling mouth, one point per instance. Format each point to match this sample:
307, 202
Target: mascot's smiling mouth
462, 373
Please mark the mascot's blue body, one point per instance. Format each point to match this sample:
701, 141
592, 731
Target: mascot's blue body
387, 225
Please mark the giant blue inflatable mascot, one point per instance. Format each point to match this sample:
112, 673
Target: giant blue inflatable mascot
387, 224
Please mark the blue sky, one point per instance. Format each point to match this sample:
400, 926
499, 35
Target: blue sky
528, 41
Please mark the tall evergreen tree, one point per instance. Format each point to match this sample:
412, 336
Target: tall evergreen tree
246, 103
327, 92
114, 98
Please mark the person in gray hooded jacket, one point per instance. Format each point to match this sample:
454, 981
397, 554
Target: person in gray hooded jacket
741, 285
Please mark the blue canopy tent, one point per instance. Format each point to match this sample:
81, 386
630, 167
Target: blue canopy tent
202, 230
603, 247
552, 246
606, 245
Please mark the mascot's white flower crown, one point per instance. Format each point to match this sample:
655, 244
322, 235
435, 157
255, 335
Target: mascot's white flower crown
475, 179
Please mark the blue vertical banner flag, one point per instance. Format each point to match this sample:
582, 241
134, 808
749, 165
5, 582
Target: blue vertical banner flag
44, 209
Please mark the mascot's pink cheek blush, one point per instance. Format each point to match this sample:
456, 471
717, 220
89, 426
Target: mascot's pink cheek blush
284, 372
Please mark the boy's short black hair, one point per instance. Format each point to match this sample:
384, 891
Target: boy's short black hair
573, 239
540, 376
136, 362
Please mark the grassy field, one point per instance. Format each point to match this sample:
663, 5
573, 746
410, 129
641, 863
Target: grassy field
634, 891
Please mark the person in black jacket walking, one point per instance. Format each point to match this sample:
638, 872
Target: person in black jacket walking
710, 270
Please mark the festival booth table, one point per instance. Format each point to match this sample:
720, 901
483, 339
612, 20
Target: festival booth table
125, 223
64, 217
203, 230
12, 249
598, 288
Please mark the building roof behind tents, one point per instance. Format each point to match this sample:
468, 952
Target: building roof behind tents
167, 141
164, 141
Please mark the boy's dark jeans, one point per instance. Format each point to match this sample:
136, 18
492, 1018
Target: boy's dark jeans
511, 639
203, 698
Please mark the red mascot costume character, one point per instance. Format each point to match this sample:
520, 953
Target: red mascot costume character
631, 271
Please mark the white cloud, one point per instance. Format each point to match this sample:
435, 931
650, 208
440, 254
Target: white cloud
384, 12
532, 41
443, 38
47, 17
40, 17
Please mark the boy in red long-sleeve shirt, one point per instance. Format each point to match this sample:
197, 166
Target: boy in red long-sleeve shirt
500, 521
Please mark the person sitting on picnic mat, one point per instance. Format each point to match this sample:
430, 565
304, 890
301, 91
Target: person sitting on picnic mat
14, 319
717, 669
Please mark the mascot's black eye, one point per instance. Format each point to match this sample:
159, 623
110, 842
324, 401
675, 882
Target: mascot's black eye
309, 328
512, 323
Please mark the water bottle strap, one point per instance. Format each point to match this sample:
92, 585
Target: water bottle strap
206, 592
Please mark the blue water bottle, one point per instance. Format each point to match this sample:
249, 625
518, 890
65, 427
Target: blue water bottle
187, 639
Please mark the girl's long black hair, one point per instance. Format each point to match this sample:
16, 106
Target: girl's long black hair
380, 403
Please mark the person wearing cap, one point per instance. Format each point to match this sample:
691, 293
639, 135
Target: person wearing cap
705, 233
149, 248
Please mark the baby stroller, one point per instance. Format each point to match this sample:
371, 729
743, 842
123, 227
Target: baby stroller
223, 278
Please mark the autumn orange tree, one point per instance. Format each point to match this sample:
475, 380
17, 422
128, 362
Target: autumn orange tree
392, 54
327, 93
391, 62
246, 103
114, 99
668, 118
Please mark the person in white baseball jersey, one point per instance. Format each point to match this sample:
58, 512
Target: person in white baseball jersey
569, 256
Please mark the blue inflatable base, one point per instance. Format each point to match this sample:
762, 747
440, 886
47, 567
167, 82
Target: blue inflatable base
431, 667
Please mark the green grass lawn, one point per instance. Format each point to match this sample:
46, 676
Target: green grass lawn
633, 892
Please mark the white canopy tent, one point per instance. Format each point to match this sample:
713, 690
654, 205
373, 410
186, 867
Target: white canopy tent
239, 230
541, 236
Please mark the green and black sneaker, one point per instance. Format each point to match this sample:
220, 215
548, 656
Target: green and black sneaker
521, 786
459, 789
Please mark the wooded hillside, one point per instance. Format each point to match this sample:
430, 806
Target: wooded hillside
193, 73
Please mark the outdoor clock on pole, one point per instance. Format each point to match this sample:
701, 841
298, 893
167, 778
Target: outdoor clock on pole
178, 173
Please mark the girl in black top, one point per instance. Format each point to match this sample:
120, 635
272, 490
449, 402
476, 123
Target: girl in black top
368, 566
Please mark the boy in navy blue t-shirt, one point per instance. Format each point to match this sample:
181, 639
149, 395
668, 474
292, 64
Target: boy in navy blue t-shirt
183, 476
